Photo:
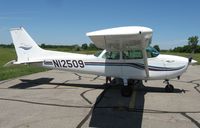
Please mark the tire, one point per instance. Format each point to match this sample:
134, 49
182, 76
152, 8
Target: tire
117, 81
131, 82
169, 88
126, 91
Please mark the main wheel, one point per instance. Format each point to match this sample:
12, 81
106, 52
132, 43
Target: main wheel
117, 81
131, 82
126, 91
169, 88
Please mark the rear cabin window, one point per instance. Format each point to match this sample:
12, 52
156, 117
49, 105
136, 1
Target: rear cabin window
112, 55
132, 54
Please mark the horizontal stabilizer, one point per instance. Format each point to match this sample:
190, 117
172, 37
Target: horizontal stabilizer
10, 63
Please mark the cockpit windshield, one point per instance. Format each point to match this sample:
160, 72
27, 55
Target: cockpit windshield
98, 53
151, 52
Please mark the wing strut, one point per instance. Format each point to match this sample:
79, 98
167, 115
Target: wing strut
145, 62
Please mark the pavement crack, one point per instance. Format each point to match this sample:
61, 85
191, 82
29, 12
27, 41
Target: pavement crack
79, 76
83, 96
95, 78
196, 87
91, 110
191, 119
85, 118
44, 104
192, 82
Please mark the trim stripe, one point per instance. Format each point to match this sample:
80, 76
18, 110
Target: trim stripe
134, 65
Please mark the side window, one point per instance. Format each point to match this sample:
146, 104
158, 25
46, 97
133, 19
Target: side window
132, 54
111, 55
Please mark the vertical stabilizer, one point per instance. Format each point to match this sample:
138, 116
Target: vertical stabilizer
25, 46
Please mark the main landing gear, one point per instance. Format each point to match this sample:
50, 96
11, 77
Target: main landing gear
126, 89
169, 87
126, 86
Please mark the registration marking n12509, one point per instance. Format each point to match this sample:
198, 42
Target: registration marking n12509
68, 63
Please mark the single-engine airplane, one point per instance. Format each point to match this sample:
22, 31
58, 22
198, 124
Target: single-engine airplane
127, 55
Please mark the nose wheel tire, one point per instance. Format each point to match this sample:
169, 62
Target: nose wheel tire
169, 88
126, 91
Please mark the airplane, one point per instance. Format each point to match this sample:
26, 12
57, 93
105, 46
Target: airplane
127, 56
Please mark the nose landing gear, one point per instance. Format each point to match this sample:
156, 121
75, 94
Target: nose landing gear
169, 87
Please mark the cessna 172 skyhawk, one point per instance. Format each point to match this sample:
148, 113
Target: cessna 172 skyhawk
127, 55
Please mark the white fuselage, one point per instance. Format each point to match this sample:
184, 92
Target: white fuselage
128, 55
160, 67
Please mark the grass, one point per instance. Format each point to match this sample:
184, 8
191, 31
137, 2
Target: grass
8, 54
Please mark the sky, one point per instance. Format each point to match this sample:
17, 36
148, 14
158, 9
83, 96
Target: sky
67, 21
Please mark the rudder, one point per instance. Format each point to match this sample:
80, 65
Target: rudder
26, 48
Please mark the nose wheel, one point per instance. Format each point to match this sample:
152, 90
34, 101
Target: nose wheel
169, 87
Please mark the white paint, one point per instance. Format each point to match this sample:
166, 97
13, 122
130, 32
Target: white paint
158, 68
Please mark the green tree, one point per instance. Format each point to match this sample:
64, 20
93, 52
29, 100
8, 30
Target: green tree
92, 46
43, 45
193, 41
76, 48
157, 47
84, 46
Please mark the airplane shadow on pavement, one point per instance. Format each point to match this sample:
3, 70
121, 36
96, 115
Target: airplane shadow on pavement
35, 83
113, 110
110, 108
27, 83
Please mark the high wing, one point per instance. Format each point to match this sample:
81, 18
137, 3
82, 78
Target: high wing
123, 38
